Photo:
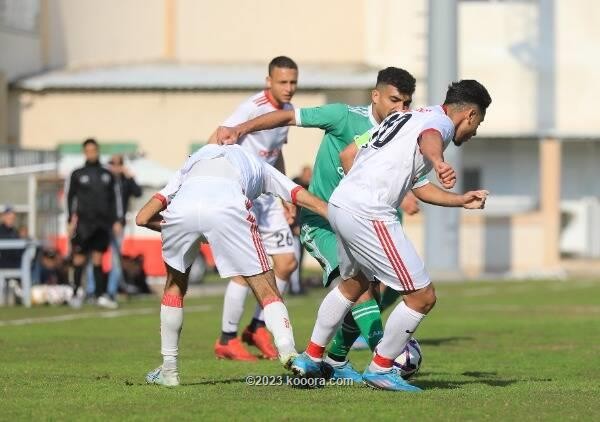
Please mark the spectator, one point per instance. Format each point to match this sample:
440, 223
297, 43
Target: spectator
92, 215
303, 179
125, 188
9, 258
52, 271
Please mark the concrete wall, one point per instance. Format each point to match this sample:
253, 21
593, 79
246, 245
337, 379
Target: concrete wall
85, 33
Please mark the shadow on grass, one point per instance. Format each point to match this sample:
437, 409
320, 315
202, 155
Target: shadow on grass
486, 378
442, 340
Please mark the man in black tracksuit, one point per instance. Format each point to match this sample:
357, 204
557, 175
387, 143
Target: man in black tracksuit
92, 214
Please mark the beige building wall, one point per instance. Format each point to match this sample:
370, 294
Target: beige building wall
497, 47
577, 63
85, 33
163, 124
312, 31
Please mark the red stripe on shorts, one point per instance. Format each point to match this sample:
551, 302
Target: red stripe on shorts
260, 251
398, 257
388, 249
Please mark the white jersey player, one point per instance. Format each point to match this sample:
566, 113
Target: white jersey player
272, 223
371, 241
208, 200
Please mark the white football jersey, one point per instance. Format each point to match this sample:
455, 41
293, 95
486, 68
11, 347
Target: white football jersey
254, 176
390, 164
265, 144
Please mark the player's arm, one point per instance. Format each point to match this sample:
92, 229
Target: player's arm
347, 156
148, 216
278, 184
434, 195
431, 145
304, 198
278, 118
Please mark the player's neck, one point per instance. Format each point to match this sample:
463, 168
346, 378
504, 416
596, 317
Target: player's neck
272, 99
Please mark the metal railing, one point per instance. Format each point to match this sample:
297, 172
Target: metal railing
12, 156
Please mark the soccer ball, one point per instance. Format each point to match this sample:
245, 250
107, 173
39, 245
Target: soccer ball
409, 361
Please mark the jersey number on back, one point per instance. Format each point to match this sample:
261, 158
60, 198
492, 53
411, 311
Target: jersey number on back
388, 129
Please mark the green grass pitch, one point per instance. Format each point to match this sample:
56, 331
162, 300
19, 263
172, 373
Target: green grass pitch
492, 351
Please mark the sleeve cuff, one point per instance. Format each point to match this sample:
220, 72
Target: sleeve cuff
420, 183
161, 198
294, 193
297, 116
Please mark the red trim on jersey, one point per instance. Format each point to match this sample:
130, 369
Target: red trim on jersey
393, 256
445, 108
429, 130
270, 300
294, 193
261, 102
174, 301
382, 361
314, 350
161, 199
258, 245
272, 100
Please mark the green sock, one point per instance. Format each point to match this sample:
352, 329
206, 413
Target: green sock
345, 336
388, 297
368, 318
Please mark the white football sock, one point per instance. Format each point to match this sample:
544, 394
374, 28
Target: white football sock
171, 322
233, 306
399, 328
278, 323
331, 314
282, 287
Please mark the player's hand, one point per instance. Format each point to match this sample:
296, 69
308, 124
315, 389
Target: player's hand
227, 135
445, 174
289, 211
475, 199
410, 204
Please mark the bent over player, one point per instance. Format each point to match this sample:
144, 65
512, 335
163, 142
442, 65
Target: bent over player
371, 241
209, 200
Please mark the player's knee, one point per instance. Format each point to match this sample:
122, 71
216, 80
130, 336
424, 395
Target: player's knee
285, 266
428, 299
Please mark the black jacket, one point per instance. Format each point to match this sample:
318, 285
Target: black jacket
91, 196
125, 188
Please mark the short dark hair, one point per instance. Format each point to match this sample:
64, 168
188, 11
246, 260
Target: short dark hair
468, 91
399, 78
282, 61
89, 141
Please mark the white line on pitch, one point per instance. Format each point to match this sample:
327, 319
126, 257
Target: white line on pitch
103, 314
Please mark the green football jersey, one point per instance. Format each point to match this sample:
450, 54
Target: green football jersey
341, 123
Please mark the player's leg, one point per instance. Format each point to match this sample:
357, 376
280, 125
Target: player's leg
171, 323
228, 346
180, 233
320, 241
99, 244
277, 239
396, 264
276, 315
79, 252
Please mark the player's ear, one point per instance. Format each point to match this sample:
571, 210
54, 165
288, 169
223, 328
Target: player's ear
268, 81
374, 96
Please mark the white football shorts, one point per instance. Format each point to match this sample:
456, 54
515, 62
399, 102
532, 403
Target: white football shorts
272, 225
213, 210
379, 249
